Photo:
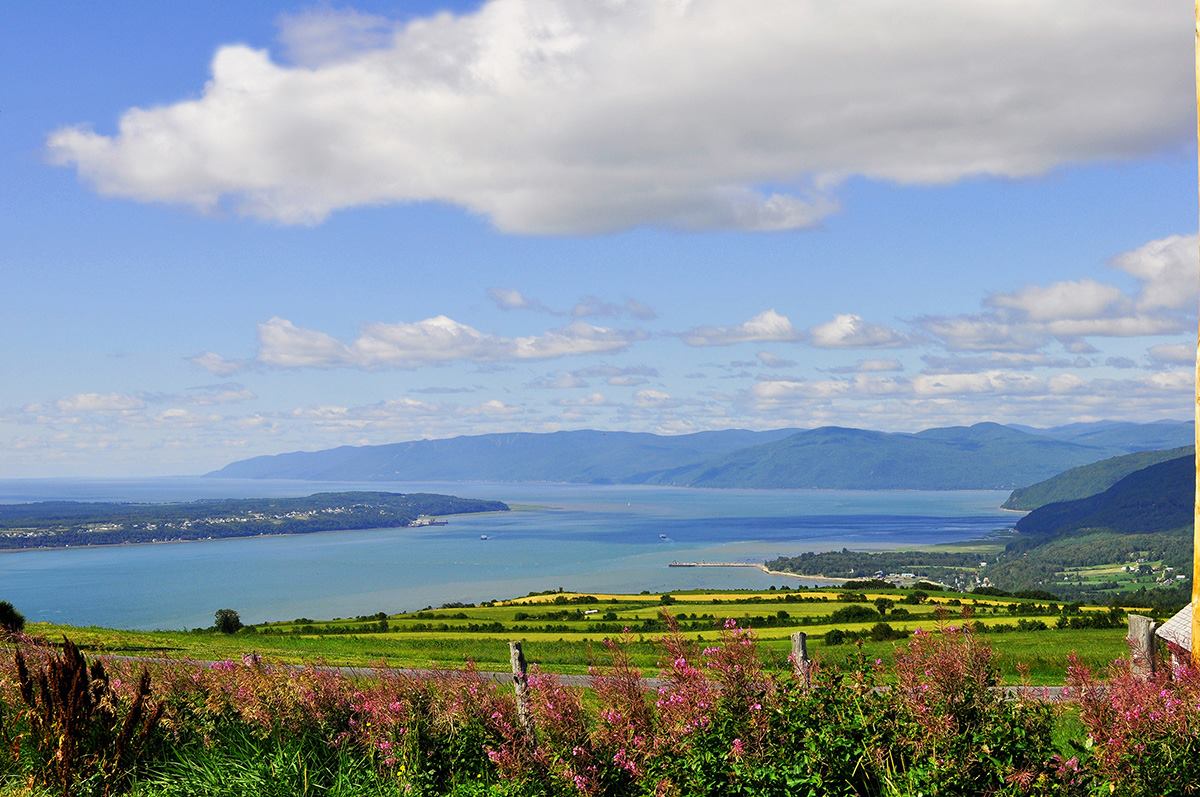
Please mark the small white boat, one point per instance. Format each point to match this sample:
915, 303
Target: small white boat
662, 536
483, 536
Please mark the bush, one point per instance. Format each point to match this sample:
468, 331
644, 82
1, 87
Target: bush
11, 620
1146, 731
853, 614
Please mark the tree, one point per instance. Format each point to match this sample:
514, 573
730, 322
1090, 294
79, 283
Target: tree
11, 620
227, 621
882, 605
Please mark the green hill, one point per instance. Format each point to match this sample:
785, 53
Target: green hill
1157, 498
1088, 480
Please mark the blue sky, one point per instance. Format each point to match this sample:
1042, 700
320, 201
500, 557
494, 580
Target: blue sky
432, 220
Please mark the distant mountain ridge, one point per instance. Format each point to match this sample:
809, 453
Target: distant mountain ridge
982, 456
585, 456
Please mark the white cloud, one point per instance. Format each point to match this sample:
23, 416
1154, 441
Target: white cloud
1173, 353
849, 331
766, 326
618, 376
228, 393
995, 382
285, 345
324, 36
558, 381
431, 341
99, 402
868, 367
1005, 360
770, 360
1074, 299
593, 307
651, 398
983, 333
1167, 270
453, 109
216, 364
513, 299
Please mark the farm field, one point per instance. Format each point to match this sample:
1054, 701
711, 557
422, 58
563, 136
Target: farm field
564, 632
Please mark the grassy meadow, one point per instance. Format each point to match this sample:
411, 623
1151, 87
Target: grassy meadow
564, 632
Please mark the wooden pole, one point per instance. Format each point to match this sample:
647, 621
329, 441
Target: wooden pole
520, 676
1196, 517
1142, 657
801, 664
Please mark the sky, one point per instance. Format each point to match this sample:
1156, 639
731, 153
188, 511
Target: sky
231, 229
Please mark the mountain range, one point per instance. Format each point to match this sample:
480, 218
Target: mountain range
982, 456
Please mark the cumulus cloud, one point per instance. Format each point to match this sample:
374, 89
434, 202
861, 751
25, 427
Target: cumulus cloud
586, 307
452, 108
558, 381
766, 326
1172, 353
868, 367
1120, 362
439, 339
1026, 320
99, 402
1019, 361
651, 398
996, 382
216, 364
1166, 269
769, 360
1071, 299
513, 299
849, 331
594, 306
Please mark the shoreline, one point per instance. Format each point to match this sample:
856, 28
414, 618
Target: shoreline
763, 568
262, 536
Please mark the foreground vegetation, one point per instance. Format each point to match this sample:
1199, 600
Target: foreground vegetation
719, 723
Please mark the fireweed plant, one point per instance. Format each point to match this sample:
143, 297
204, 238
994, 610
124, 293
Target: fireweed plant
718, 721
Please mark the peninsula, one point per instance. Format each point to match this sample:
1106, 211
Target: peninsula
60, 524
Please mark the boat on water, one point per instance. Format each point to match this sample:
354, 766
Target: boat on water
483, 536
662, 536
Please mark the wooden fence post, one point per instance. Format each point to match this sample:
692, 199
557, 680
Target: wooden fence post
520, 676
1141, 644
801, 664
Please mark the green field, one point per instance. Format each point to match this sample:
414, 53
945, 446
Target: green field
564, 632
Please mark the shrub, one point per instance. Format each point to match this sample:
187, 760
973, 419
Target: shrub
84, 735
853, 614
11, 620
1143, 732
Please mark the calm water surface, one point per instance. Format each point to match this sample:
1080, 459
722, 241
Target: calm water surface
580, 537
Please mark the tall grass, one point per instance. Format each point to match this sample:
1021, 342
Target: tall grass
720, 723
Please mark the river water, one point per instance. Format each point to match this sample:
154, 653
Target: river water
580, 537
